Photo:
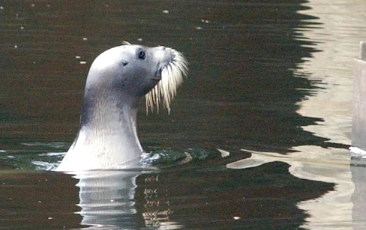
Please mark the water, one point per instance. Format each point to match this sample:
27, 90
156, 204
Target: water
258, 134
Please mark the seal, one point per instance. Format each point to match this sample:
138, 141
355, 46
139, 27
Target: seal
117, 81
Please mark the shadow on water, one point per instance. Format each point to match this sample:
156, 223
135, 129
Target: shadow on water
242, 92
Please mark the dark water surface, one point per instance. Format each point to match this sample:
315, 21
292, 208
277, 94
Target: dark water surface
260, 128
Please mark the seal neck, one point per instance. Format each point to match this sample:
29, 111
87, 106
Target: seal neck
111, 114
108, 134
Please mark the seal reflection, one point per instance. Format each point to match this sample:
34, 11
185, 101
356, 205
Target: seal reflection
108, 199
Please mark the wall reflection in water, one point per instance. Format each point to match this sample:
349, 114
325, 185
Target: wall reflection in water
340, 27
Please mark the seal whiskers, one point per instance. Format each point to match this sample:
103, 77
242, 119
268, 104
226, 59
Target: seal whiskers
172, 77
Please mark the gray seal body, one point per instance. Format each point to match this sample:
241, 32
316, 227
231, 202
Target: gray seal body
117, 81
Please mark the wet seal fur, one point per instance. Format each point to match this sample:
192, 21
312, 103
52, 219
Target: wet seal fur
117, 81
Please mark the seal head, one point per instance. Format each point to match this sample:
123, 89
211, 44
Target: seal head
117, 81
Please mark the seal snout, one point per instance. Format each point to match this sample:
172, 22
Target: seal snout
165, 56
171, 68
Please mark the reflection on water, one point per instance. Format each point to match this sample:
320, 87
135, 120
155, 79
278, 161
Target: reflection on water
336, 37
270, 76
107, 198
261, 197
250, 198
321, 164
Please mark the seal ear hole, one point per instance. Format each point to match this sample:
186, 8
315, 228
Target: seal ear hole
141, 55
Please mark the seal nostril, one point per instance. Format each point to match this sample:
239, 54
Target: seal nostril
142, 55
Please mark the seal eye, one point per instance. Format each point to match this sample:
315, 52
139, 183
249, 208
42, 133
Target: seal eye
142, 55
